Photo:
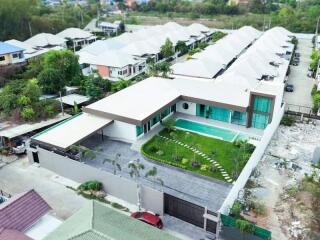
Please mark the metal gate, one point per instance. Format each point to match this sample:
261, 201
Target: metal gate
187, 212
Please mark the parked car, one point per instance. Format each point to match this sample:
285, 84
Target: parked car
297, 54
295, 63
289, 88
148, 217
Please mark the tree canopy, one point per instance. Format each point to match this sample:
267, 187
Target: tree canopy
167, 49
60, 68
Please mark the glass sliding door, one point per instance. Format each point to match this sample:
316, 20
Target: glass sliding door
239, 118
220, 114
262, 108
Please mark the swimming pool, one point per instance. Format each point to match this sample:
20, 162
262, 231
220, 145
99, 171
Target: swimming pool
219, 133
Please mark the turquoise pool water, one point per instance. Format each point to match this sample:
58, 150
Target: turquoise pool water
220, 133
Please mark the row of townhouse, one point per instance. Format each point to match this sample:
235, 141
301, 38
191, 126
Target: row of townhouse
125, 56
14, 51
247, 95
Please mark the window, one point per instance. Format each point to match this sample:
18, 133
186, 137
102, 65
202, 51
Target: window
185, 106
15, 55
220, 114
260, 121
239, 118
262, 104
139, 130
2, 58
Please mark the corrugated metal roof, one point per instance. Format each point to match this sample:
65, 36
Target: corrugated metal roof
8, 234
8, 48
23, 210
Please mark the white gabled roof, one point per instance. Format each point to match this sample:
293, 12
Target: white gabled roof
72, 130
45, 39
74, 33
28, 49
71, 99
201, 68
140, 48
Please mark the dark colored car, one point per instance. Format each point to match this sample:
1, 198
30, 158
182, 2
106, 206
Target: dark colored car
289, 88
297, 54
295, 63
150, 218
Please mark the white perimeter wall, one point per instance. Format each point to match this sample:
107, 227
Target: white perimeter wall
114, 185
192, 110
253, 161
121, 131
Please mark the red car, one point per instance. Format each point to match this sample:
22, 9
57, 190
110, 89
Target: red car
150, 218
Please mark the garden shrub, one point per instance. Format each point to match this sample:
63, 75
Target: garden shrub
185, 161
244, 226
236, 209
204, 167
91, 185
287, 121
213, 169
153, 149
159, 152
195, 163
28, 114
177, 158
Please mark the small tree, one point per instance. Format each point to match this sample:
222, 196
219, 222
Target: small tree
115, 163
135, 167
167, 49
181, 47
153, 173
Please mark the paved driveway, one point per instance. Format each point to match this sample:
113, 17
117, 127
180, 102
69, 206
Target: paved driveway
298, 77
198, 190
20, 176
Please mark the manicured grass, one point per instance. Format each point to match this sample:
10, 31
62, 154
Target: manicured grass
232, 157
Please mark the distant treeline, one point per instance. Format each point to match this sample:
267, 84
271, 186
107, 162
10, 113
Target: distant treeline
21, 18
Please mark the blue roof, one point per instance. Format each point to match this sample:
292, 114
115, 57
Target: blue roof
8, 48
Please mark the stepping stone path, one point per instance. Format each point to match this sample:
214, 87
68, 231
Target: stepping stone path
216, 164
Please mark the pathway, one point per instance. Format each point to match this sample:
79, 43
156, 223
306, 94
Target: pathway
203, 155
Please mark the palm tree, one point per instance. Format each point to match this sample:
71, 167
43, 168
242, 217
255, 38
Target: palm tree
153, 172
135, 167
115, 163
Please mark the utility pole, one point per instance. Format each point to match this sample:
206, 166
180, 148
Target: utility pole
61, 104
316, 38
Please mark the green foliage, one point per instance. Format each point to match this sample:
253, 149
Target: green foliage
60, 68
315, 58
19, 17
287, 121
194, 51
28, 114
244, 226
203, 45
225, 152
217, 36
236, 209
315, 94
181, 47
167, 49
90, 185
95, 86
119, 85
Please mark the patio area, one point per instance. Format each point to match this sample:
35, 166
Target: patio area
187, 186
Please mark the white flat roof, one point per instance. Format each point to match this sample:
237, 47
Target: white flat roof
73, 98
72, 130
22, 129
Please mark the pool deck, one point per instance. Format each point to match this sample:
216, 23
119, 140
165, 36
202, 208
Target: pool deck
233, 127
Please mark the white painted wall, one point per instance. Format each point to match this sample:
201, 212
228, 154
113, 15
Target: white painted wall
192, 110
121, 131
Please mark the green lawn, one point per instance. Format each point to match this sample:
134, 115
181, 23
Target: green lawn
232, 157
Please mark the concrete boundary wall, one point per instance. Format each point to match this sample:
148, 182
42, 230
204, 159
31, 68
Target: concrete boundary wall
252, 163
114, 185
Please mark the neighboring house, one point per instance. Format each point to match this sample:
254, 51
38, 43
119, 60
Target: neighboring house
78, 38
97, 221
112, 65
30, 51
47, 40
141, 45
26, 216
109, 28
10, 54
239, 2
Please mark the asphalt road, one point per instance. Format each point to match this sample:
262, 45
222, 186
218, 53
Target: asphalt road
302, 83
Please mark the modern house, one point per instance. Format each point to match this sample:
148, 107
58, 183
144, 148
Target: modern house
26, 216
77, 38
11, 54
247, 97
130, 51
47, 41
96, 221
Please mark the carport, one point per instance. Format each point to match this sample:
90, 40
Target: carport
71, 131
